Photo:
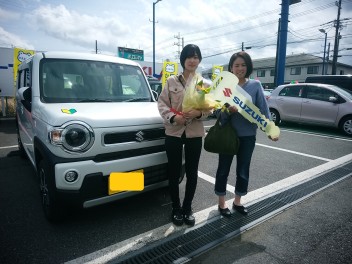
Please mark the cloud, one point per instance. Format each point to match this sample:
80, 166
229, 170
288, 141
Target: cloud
80, 29
13, 40
8, 15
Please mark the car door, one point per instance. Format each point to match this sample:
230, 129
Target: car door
24, 113
289, 102
316, 107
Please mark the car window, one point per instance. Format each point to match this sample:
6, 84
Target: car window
319, 93
65, 80
291, 91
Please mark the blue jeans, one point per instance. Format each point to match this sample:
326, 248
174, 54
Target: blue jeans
244, 157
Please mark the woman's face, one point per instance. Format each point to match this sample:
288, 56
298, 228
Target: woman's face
239, 68
191, 64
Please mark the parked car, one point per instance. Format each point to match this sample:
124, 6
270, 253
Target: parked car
342, 81
82, 117
267, 94
155, 85
319, 104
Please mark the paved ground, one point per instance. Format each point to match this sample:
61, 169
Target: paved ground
318, 230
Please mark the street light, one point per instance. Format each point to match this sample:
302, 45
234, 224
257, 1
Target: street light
154, 3
323, 31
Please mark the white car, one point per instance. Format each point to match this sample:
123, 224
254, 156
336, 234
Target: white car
82, 117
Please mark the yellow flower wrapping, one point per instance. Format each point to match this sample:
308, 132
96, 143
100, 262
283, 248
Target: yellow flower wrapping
198, 96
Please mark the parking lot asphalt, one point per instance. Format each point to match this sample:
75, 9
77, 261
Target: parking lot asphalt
317, 230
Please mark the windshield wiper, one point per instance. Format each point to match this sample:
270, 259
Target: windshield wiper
138, 99
94, 100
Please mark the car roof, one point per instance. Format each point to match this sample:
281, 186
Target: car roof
329, 86
84, 56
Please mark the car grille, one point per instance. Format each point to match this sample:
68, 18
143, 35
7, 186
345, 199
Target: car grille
96, 185
134, 136
128, 153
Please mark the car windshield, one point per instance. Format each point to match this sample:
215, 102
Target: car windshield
78, 81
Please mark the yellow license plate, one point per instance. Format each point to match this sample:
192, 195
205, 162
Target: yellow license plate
126, 181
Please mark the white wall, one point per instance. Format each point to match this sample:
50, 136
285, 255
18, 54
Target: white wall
6, 72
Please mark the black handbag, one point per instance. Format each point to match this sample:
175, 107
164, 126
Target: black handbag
222, 139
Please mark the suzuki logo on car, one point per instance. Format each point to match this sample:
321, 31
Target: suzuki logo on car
139, 136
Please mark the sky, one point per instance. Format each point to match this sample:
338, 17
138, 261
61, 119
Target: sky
218, 27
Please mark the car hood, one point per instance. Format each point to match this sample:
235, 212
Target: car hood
99, 115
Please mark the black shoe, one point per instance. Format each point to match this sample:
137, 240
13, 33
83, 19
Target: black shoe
225, 212
188, 218
177, 217
240, 208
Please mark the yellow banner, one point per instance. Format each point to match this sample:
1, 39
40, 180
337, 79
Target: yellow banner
215, 71
169, 69
20, 55
226, 90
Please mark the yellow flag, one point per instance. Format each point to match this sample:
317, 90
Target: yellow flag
215, 71
169, 69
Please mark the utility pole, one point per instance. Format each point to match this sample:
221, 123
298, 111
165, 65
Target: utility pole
96, 47
277, 53
179, 44
337, 35
327, 60
281, 60
154, 3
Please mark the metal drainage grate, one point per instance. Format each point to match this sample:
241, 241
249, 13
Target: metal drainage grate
180, 249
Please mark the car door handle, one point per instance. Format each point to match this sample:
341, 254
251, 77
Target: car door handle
307, 102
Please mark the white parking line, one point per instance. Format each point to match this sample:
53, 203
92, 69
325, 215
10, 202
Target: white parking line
14, 146
316, 135
293, 152
210, 179
202, 217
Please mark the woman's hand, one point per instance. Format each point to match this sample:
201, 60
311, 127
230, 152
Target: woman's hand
180, 120
273, 139
232, 109
192, 114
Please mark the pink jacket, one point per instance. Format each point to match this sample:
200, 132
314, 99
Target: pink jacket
172, 97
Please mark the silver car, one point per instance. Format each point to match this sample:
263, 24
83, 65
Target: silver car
312, 103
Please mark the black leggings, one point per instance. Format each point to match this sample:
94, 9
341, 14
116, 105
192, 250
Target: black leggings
193, 148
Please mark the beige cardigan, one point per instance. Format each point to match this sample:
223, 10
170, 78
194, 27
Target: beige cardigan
174, 92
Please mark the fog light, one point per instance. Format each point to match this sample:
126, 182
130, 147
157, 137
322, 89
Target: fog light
71, 176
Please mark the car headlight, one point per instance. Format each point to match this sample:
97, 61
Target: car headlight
75, 137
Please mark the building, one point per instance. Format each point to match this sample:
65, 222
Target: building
297, 69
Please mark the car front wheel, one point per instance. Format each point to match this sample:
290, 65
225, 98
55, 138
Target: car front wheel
275, 116
346, 125
52, 208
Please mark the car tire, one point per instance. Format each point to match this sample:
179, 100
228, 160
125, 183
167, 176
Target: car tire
53, 210
20, 147
275, 116
20, 144
346, 125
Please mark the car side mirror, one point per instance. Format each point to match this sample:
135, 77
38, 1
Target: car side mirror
333, 99
155, 95
25, 95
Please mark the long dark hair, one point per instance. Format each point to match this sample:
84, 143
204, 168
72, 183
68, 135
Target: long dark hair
247, 59
189, 51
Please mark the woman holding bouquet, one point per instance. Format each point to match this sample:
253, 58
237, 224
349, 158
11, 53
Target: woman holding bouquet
182, 129
241, 65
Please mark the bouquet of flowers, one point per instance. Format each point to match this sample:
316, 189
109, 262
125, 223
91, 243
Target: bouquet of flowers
198, 95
